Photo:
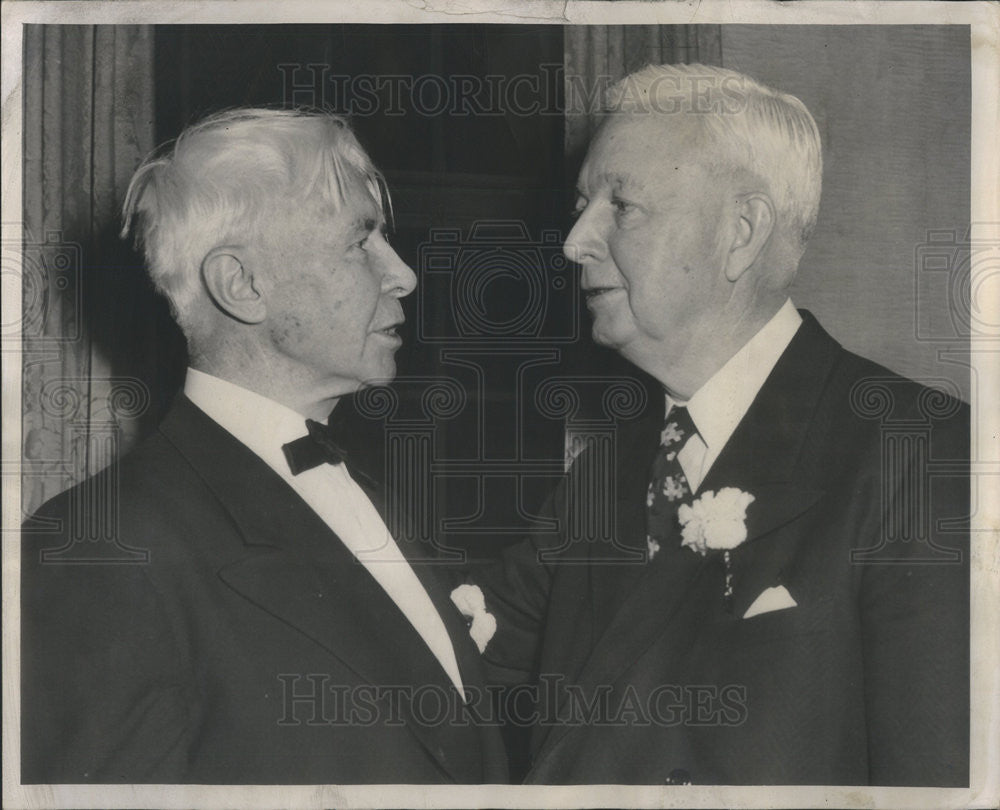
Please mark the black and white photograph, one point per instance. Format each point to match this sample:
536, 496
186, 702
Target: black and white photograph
583, 404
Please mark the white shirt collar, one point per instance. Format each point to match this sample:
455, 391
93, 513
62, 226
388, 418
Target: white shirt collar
718, 406
260, 423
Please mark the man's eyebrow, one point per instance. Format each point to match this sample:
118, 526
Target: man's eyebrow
619, 181
365, 224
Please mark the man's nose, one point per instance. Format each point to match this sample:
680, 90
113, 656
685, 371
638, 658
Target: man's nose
585, 242
397, 277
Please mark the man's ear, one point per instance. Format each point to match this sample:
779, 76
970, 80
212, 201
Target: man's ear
754, 226
232, 286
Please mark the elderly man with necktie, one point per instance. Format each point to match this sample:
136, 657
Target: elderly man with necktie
782, 596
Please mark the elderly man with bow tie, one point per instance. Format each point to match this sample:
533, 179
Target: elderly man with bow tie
277, 632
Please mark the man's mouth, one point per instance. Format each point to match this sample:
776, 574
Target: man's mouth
593, 293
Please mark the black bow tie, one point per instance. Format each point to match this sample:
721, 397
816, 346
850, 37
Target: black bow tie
320, 446
317, 447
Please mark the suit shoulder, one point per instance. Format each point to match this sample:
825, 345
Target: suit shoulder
85, 553
865, 399
143, 474
875, 390
149, 503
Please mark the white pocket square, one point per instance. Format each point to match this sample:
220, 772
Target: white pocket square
777, 598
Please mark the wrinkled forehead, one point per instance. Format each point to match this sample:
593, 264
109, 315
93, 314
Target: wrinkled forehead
636, 148
358, 200
319, 221
352, 199
347, 189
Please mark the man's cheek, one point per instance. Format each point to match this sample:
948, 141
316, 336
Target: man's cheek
287, 330
637, 271
306, 320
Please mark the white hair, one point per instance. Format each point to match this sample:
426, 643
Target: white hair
752, 127
228, 177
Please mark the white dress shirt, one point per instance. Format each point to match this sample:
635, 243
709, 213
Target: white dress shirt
718, 406
264, 426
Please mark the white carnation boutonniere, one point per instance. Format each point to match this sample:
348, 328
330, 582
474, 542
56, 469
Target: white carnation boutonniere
471, 604
716, 521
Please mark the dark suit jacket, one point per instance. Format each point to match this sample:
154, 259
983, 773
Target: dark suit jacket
646, 678
250, 648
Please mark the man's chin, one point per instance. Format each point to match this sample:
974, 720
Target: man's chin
609, 338
384, 373
385, 377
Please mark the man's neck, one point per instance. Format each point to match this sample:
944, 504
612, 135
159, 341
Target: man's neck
296, 396
706, 354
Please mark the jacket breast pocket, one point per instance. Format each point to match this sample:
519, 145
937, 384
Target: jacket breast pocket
803, 620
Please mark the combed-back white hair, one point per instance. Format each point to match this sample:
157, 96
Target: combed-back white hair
228, 177
752, 128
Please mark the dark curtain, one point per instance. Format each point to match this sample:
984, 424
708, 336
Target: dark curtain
88, 121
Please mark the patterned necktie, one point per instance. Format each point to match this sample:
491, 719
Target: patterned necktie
668, 486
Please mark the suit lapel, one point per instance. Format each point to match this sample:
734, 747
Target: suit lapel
611, 577
767, 456
466, 652
295, 568
368, 470
432, 574
670, 593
